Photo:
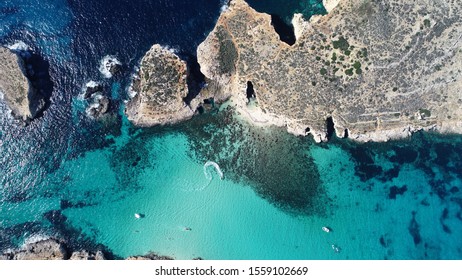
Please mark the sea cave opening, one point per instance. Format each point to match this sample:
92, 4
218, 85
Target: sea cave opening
250, 92
330, 128
283, 29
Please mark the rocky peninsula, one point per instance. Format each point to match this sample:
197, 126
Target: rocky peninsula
17, 90
159, 87
371, 70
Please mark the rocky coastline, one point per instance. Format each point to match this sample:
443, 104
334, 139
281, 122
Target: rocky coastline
376, 71
368, 71
54, 249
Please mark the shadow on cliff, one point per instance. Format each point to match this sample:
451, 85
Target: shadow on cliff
38, 72
195, 79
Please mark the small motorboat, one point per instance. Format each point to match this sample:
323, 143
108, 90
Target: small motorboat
137, 216
336, 248
326, 229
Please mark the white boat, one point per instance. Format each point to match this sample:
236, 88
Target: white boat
137, 216
326, 229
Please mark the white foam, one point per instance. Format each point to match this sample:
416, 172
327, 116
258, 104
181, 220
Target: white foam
19, 46
5, 110
92, 84
217, 168
106, 63
224, 8
35, 238
132, 93
224, 5
171, 49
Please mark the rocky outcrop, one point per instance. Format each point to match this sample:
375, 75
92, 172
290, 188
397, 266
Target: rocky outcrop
99, 105
48, 249
150, 256
379, 70
110, 66
85, 255
18, 92
91, 88
160, 88
98, 102
52, 249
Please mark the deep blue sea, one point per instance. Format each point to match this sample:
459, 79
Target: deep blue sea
82, 180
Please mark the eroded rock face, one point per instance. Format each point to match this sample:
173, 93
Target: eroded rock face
380, 69
160, 88
18, 92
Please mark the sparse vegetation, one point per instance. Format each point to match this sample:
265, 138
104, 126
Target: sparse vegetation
349, 72
427, 23
341, 44
425, 113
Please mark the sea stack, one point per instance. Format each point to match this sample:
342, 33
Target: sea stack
159, 87
19, 94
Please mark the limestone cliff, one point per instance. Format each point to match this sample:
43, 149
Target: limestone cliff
160, 88
378, 69
18, 92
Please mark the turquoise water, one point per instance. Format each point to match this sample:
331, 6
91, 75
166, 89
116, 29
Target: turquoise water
82, 181
159, 174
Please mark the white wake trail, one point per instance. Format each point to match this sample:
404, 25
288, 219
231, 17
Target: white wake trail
217, 168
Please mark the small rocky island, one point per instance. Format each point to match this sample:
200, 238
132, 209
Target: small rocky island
160, 88
17, 90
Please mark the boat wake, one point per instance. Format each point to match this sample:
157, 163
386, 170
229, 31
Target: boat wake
207, 174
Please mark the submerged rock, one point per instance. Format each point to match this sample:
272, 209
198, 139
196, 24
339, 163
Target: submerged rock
160, 89
17, 90
379, 70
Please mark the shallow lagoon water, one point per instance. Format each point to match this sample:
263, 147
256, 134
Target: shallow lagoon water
68, 176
